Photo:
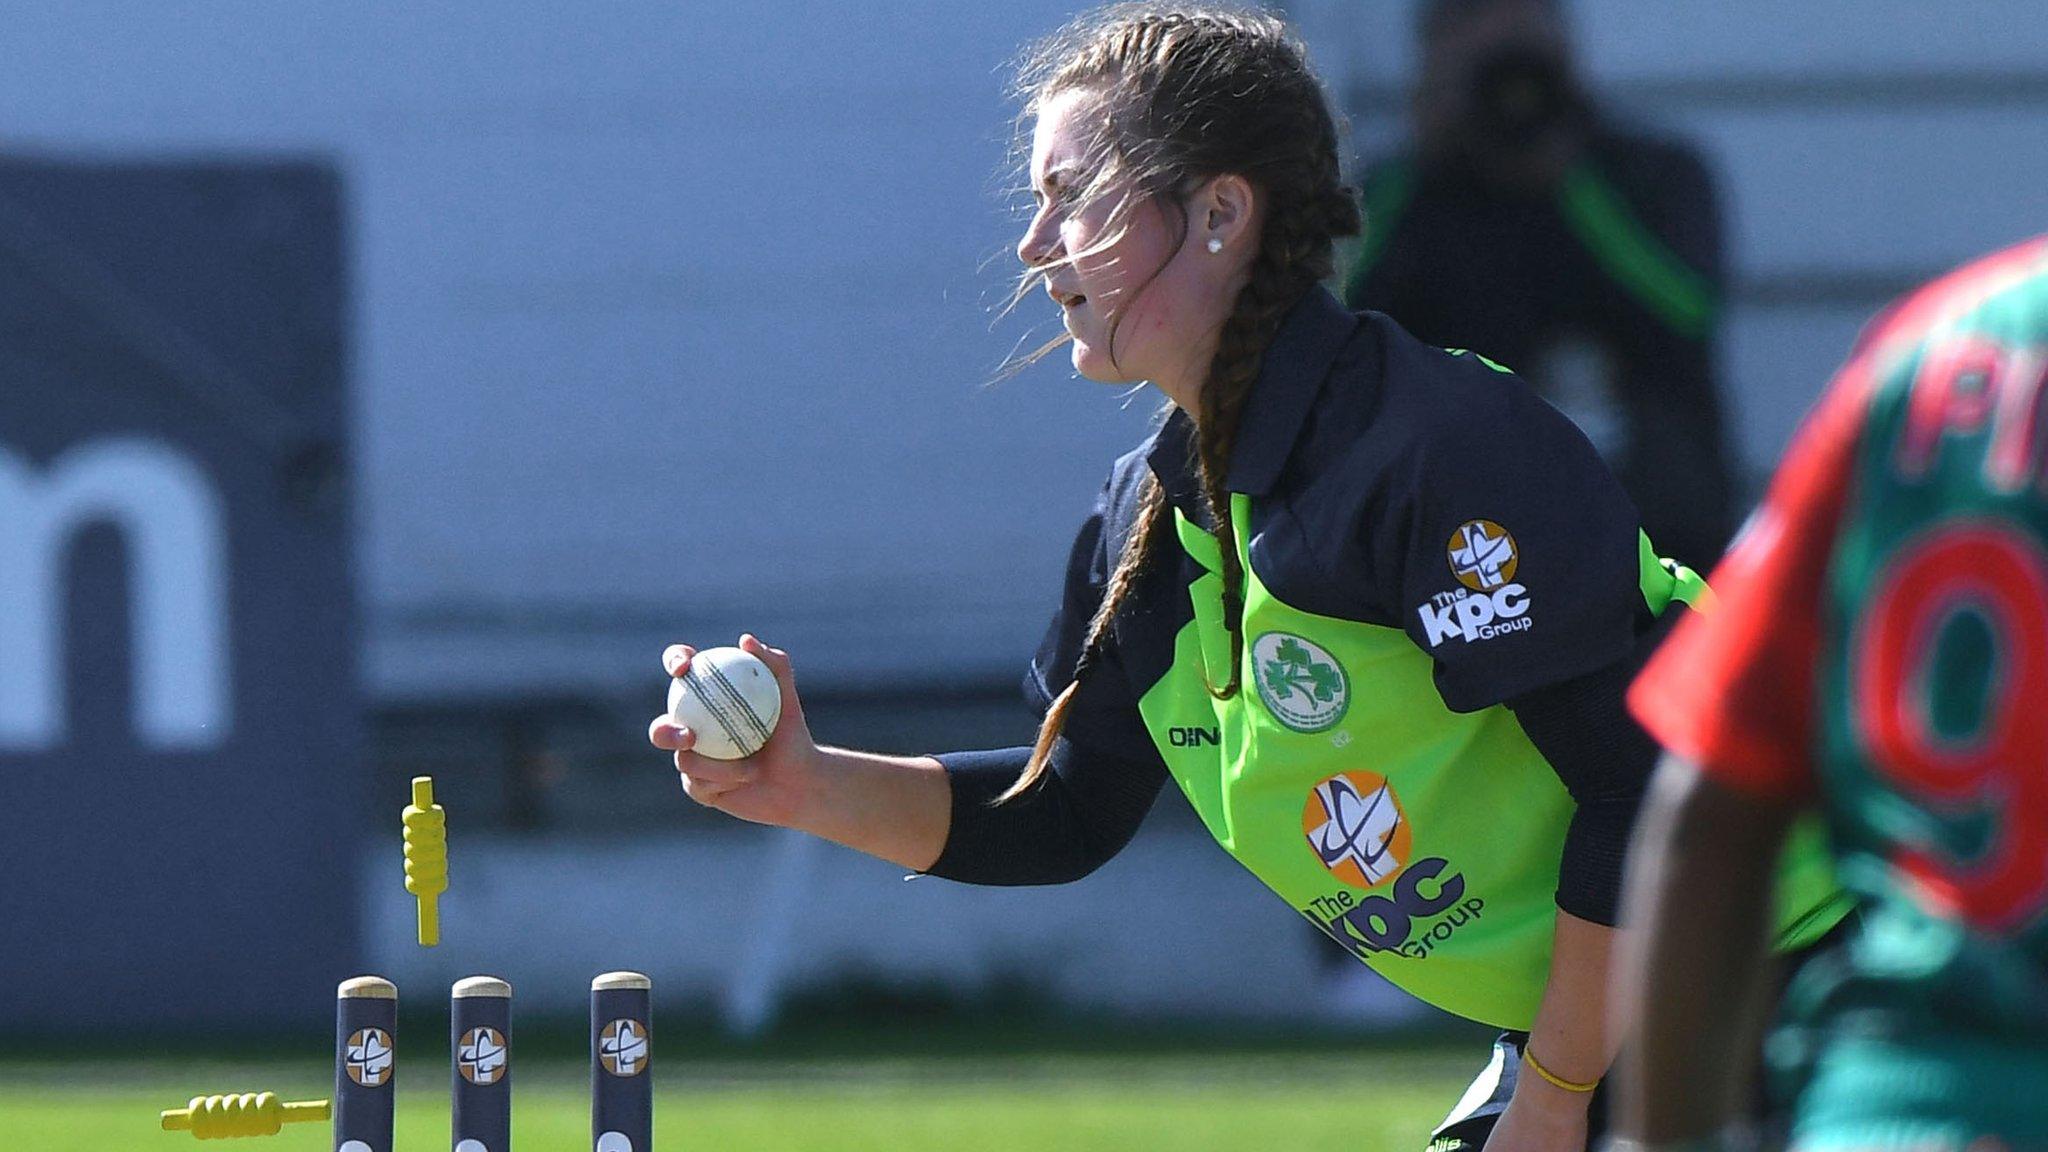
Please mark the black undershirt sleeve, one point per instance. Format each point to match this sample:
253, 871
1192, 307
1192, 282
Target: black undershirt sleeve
1104, 771
1084, 810
1604, 758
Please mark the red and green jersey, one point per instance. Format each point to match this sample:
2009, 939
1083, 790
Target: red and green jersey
1882, 651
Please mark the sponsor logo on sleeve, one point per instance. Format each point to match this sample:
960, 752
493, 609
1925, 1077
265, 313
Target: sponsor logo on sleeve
1488, 602
1482, 555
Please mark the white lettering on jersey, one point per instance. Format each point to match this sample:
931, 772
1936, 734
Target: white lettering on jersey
1470, 616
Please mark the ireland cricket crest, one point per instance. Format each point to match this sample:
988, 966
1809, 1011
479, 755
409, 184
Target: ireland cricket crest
1299, 681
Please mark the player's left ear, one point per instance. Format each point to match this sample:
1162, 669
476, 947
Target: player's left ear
1223, 210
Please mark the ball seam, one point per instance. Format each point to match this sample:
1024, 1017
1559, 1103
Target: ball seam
706, 693
746, 709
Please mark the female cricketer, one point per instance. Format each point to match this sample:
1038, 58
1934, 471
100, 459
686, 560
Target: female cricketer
1371, 604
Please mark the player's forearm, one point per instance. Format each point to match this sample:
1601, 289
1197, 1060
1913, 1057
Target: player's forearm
1699, 895
895, 807
1570, 1037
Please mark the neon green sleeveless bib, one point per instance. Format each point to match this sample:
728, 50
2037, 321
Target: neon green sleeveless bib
1424, 840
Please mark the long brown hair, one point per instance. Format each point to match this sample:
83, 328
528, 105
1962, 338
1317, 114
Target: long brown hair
1184, 94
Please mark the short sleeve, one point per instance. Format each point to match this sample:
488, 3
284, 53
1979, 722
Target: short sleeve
1733, 690
1104, 714
1519, 561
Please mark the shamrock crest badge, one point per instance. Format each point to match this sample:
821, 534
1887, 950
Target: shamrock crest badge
1300, 682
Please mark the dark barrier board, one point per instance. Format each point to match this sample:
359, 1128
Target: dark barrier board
182, 808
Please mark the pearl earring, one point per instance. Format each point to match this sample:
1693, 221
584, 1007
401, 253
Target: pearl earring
1215, 244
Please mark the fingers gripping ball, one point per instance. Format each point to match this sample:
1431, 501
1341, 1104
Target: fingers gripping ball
426, 856
730, 700
246, 1114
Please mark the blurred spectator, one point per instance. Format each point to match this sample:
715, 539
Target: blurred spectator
1526, 224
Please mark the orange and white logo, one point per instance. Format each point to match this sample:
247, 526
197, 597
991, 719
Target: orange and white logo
622, 1047
480, 1056
1482, 555
369, 1057
1357, 828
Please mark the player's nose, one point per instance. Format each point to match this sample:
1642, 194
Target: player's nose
1040, 243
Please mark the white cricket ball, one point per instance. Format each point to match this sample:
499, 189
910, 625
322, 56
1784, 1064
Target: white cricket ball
729, 699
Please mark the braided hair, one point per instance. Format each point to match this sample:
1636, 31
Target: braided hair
1186, 94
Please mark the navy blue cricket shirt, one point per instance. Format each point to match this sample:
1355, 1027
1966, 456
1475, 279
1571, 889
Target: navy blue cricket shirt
1363, 451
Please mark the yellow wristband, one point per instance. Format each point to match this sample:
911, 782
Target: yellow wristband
1555, 1080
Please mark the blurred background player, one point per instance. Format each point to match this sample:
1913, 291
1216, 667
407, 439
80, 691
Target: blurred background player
1523, 222
1881, 653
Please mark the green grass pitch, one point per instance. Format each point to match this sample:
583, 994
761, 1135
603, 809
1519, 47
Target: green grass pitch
1343, 1099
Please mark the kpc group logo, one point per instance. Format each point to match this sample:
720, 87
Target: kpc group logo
1488, 603
622, 1048
1358, 830
369, 1057
1482, 555
481, 1056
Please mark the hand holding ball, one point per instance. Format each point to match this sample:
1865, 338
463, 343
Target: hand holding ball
724, 705
729, 699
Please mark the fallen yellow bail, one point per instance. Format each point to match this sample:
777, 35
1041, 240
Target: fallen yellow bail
247, 1114
426, 856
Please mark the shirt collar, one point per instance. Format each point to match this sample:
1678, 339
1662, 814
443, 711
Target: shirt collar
1171, 454
1314, 331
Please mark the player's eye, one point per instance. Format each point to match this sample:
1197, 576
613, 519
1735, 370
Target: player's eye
1052, 192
